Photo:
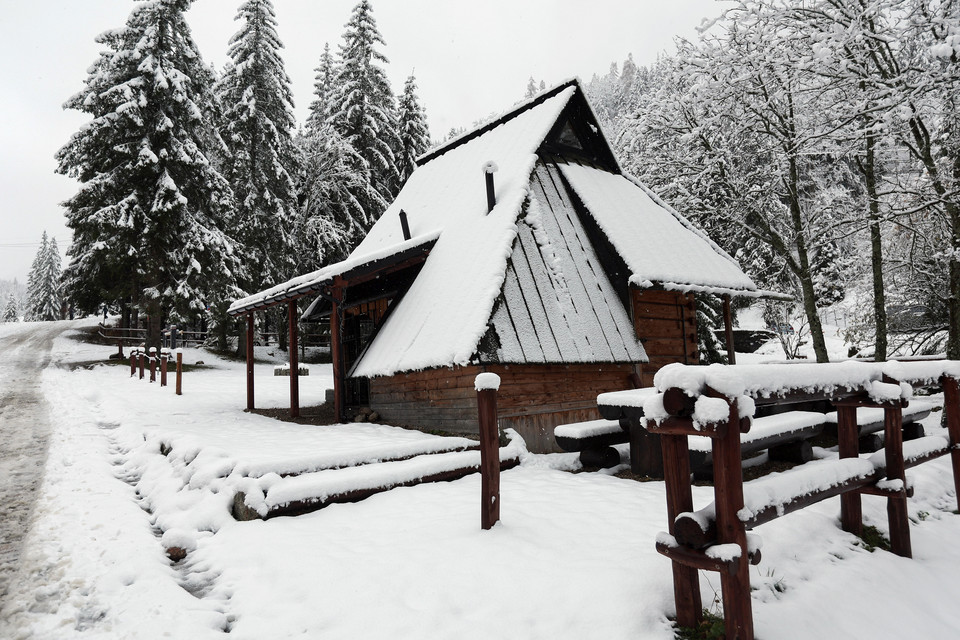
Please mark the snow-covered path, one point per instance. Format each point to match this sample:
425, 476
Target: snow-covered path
24, 430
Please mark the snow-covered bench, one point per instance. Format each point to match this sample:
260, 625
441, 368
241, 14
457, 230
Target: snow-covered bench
785, 436
594, 439
870, 421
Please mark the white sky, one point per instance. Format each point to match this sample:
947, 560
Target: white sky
470, 59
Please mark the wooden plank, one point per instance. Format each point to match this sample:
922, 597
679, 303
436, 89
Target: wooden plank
592, 295
489, 458
656, 328
659, 296
538, 290
520, 315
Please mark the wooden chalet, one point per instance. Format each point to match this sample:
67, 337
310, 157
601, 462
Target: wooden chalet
518, 248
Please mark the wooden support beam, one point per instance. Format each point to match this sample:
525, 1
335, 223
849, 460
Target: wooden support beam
336, 351
293, 346
249, 354
685, 427
692, 560
686, 583
728, 498
951, 407
897, 516
728, 329
848, 440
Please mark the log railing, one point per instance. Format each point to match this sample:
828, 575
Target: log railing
718, 402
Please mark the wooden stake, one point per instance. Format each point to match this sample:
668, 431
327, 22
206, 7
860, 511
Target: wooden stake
153, 364
848, 439
951, 406
142, 353
686, 583
250, 361
489, 450
292, 347
133, 362
164, 356
179, 372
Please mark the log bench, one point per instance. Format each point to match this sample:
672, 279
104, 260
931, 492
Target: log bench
870, 421
594, 439
786, 437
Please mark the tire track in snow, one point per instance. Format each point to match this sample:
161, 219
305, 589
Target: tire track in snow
24, 433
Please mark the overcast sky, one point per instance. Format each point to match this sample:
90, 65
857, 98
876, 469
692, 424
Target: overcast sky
470, 59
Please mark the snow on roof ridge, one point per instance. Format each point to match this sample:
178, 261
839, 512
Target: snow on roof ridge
500, 118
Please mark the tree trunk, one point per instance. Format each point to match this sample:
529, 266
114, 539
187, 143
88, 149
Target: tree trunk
804, 275
869, 169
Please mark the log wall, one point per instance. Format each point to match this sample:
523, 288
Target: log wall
533, 399
666, 324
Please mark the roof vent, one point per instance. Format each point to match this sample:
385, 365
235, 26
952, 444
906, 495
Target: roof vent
403, 225
489, 168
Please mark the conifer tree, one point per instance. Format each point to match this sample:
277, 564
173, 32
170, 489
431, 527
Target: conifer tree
150, 214
11, 312
43, 282
413, 130
365, 107
258, 124
320, 108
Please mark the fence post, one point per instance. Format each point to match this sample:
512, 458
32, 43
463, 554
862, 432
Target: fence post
164, 356
487, 385
951, 407
179, 372
676, 476
153, 364
133, 362
249, 355
173, 336
897, 516
143, 354
848, 441
728, 497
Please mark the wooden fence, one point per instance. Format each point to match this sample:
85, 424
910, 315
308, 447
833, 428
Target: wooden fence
718, 402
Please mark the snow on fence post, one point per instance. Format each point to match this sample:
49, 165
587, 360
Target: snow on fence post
153, 364
164, 357
487, 385
179, 372
142, 351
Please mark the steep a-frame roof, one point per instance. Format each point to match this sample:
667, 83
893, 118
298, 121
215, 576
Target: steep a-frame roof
460, 295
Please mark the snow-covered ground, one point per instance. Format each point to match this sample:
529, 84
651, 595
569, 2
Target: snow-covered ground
573, 556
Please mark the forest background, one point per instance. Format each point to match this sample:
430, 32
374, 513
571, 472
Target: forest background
816, 142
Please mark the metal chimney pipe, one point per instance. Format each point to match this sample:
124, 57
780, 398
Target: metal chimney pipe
404, 225
489, 168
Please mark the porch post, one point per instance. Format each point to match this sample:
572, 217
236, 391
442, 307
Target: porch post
292, 348
728, 329
336, 353
250, 361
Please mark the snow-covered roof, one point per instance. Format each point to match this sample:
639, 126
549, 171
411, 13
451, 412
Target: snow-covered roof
658, 245
310, 282
441, 318
443, 315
